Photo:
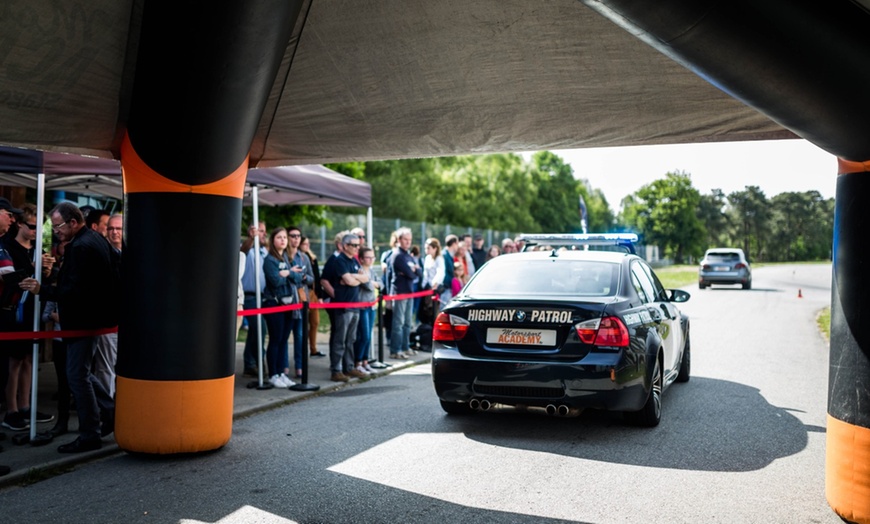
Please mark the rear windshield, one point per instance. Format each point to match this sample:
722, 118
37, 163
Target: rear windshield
545, 278
723, 257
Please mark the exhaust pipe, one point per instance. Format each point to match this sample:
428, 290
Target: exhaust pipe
564, 410
551, 410
485, 405
474, 403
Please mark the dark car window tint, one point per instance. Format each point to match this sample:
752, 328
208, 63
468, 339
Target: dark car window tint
723, 257
643, 281
658, 288
552, 278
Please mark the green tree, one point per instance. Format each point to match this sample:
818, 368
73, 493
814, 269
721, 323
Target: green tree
664, 212
711, 212
801, 226
750, 217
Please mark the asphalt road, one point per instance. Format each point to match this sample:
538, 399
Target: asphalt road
742, 442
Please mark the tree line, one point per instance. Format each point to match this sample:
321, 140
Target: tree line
506, 192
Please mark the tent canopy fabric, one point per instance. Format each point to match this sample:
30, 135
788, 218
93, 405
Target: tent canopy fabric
293, 185
365, 79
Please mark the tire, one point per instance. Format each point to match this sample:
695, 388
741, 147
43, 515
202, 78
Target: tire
701, 286
747, 285
686, 362
650, 414
455, 408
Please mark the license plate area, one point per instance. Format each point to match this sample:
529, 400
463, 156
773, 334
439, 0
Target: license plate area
521, 337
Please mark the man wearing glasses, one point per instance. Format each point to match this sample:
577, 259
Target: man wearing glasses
84, 294
344, 273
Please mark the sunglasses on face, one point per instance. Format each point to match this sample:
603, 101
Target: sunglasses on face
29, 226
352, 245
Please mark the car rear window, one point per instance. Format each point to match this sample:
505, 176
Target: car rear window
545, 278
723, 257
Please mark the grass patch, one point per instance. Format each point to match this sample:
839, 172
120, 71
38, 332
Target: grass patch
824, 322
673, 277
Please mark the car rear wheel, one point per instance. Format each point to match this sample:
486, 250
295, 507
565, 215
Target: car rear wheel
686, 362
702, 286
651, 413
455, 408
747, 285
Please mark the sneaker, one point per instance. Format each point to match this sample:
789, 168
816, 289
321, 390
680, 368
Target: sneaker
362, 369
276, 381
287, 381
401, 356
410, 352
15, 422
40, 416
369, 368
357, 373
339, 377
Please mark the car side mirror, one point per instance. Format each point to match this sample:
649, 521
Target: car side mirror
678, 295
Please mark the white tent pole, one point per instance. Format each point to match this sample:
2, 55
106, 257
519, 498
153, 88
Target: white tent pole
258, 269
37, 273
369, 228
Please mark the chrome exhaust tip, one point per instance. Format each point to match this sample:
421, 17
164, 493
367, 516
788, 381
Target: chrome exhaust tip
551, 410
564, 410
474, 403
485, 405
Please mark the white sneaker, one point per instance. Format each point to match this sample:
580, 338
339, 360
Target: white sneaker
369, 368
362, 370
287, 381
276, 381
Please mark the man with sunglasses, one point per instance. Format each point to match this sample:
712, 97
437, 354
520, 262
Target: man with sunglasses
344, 273
84, 294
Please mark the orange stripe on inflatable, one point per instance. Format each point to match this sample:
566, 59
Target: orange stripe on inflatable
174, 416
844, 167
139, 178
847, 470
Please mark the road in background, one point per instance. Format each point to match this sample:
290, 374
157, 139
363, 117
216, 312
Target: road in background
743, 441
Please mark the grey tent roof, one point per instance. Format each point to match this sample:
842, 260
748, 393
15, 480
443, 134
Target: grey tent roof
370, 79
375, 79
293, 185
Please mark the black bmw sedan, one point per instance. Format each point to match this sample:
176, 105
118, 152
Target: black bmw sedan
562, 329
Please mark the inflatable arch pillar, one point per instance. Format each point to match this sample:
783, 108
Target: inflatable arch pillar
202, 82
847, 461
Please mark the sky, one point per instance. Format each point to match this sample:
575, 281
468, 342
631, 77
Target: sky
776, 166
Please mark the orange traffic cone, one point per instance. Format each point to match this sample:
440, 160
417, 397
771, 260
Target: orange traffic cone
800, 295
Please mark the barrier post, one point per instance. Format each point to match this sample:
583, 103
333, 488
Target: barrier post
380, 364
304, 385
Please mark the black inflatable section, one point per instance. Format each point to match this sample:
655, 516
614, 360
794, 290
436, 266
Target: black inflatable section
180, 263
848, 394
202, 81
803, 64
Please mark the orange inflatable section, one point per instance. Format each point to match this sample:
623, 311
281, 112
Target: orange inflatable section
845, 167
163, 417
847, 470
139, 178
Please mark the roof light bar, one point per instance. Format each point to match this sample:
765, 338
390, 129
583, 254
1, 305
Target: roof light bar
625, 240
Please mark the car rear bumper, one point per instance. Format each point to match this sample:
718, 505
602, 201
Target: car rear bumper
724, 277
607, 383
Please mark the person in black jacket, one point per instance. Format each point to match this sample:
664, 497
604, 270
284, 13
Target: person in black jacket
85, 294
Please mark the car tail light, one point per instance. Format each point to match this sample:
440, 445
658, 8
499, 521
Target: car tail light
739, 265
449, 328
607, 331
706, 267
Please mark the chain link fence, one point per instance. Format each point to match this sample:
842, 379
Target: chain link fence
322, 237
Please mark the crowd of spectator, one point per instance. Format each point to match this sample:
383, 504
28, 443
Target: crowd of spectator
79, 289
292, 273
